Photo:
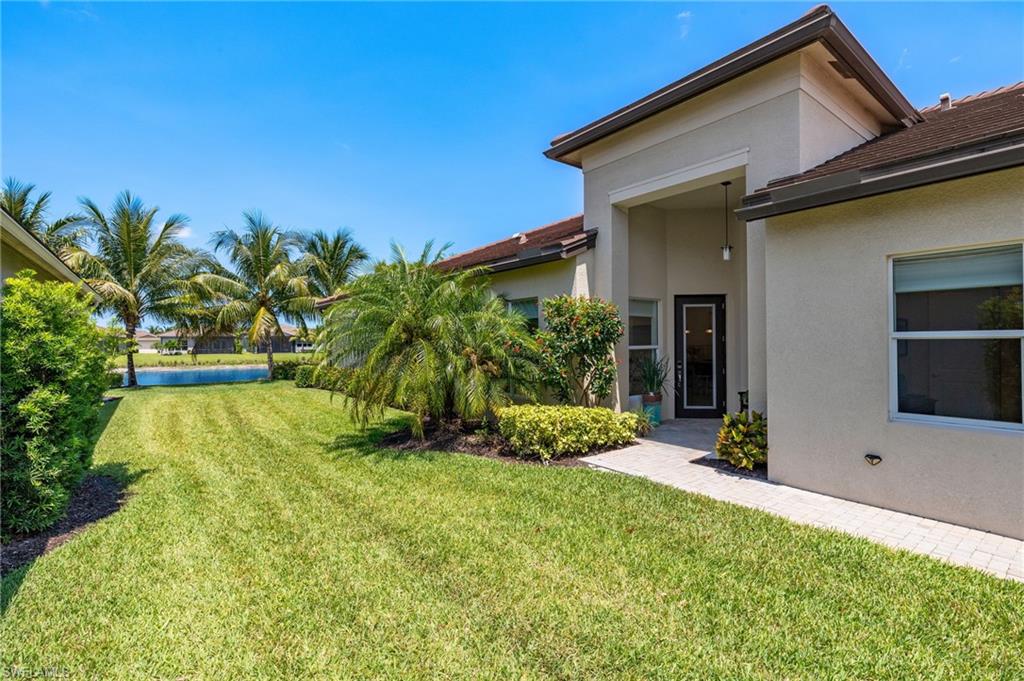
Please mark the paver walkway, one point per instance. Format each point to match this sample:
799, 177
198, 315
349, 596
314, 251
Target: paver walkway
666, 457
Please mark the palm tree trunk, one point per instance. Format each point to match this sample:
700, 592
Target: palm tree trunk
129, 334
270, 359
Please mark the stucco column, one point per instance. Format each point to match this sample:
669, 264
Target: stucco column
611, 282
757, 348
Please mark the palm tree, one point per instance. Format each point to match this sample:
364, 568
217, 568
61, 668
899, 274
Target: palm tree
334, 261
267, 285
140, 269
62, 235
435, 342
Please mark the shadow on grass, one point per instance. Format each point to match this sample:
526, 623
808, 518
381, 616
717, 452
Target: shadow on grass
100, 493
367, 442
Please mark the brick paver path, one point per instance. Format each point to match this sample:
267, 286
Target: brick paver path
665, 458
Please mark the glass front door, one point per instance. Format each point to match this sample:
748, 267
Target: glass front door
700, 355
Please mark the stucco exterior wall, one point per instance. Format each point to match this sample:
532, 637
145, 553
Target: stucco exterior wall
13, 260
572, 275
828, 356
785, 117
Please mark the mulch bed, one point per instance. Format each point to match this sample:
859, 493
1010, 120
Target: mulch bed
97, 497
487, 445
760, 472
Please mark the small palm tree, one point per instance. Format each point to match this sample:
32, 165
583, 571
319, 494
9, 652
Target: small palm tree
140, 268
62, 235
267, 286
334, 260
435, 342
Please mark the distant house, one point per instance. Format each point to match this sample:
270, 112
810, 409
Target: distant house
225, 343
147, 341
21, 249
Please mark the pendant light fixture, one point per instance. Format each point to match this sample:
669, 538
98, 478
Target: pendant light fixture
727, 248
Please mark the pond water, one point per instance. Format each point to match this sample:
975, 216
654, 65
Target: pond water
194, 376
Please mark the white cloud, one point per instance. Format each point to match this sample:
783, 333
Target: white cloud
185, 232
956, 59
684, 18
902, 64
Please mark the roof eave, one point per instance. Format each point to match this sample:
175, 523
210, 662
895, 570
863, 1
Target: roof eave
820, 25
562, 252
983, 157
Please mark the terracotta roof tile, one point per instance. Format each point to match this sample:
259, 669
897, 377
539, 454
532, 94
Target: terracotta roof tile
564, 232
969, 120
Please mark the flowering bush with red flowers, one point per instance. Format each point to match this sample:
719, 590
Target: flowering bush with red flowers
576, 349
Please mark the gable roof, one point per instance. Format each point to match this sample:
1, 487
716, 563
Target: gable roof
554, 241
974, 134
820, 24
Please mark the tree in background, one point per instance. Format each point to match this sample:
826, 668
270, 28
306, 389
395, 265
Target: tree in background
576, 348
334, 260
434, 342
60, 235
140, 269
53, 368
267, 285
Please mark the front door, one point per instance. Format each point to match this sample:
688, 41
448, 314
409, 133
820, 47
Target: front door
700, 356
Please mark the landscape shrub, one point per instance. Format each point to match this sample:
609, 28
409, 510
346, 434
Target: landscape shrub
325, 377
551, 432
115, 379
53, 369
743, 440
285, 370
576, 350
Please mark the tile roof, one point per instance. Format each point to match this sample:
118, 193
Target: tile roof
557, 236
970, 120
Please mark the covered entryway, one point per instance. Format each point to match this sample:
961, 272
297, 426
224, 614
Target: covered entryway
700, 371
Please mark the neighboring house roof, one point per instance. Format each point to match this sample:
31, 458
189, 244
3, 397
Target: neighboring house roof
146, 335
819, 25
971, 135
36, 250
289, 332
555, 241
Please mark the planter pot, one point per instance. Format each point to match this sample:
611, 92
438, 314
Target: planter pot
652, 407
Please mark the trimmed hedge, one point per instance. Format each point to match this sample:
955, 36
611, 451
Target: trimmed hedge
551, 432
285, 371
323, 377
743, 440
53, 370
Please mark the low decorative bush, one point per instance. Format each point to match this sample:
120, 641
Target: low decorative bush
743, 440
551, 432
285, 371
53, 369
325, 377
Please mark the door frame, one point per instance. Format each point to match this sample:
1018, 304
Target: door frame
718, 300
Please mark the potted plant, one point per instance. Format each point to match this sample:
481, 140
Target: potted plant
652, 375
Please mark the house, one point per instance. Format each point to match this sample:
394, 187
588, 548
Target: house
785, 227
224, 343
146, 341
21, 249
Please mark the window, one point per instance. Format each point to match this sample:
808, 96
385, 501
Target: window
643, 339
529, 308
956, 335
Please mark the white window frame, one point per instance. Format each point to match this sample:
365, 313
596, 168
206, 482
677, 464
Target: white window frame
895, 415
656, 346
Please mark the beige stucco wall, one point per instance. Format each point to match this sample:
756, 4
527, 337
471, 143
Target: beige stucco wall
13, 260
828, 356
786, 117
572, 275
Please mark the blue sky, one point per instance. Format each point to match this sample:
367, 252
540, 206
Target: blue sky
398, 121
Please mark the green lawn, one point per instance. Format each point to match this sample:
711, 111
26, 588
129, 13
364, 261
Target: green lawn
267, 538
152, 359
